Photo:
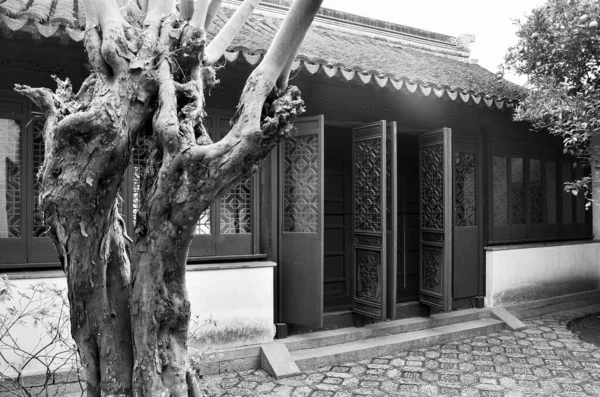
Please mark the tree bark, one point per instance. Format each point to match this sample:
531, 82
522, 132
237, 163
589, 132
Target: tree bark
129, 305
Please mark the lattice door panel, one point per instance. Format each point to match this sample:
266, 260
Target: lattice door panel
436, 184
467, 218
301, 199
369, 206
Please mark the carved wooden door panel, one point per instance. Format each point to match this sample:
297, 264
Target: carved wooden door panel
301, 223
435, 190
369, 207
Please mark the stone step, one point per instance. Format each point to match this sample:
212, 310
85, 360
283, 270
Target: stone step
380, 346
346, 335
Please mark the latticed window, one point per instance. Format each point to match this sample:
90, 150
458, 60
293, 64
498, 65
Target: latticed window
465, 189
528, 201
10, 179
39, 227
139, 160
227, 226
23, 233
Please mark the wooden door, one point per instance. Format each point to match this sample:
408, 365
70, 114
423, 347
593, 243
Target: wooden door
301, 223
467, 217
435, 190
391, 192
369, 204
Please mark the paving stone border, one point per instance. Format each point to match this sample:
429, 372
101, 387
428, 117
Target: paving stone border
546, 359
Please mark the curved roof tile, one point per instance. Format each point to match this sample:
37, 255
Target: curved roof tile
344, 52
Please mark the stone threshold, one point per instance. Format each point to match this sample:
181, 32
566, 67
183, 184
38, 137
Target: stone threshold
416, 328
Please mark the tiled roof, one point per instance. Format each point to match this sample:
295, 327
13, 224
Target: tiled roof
45, 17
333, 47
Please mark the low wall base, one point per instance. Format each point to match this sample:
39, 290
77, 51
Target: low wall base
553, 305
532, 272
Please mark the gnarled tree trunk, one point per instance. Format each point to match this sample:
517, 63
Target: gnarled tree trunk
128, 298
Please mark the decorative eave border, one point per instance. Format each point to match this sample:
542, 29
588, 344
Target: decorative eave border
35, 28
301, 63
359, 76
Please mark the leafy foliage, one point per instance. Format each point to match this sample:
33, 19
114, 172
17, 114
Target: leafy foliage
559, 50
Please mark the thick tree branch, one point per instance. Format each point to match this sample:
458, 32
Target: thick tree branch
200, 9
284, 77
289, 37
111, 52
42, 97
85, 94
144, 6
165, 122
219, 44
46, 100
213, 9
192, 114
158, 10
186, 9
101, 12
131, 11
93, 44
56, 105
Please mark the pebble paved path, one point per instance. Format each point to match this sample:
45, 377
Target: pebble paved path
544, 360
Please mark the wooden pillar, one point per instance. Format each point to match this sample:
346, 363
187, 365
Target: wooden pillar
595, 153
268, 235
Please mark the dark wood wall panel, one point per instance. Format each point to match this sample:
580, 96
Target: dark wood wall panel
338, 219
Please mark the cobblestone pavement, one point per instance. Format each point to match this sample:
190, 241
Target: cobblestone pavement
544, 360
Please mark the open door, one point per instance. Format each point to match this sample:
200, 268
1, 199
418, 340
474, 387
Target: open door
436, 185
369, 207
301, 223
391, 192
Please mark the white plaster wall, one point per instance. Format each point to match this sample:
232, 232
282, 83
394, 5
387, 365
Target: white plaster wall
239, 301
526, 274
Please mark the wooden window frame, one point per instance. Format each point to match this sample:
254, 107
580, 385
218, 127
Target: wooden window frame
26, 251
530, 232
214, 246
